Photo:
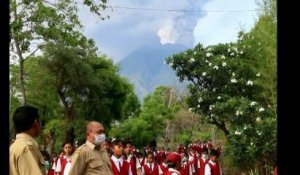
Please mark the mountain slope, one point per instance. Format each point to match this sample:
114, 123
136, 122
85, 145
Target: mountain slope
145, 67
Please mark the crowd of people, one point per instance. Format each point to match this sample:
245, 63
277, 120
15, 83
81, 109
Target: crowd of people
101, 156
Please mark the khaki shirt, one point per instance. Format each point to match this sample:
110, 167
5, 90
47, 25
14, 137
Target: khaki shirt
87, 160
25, 157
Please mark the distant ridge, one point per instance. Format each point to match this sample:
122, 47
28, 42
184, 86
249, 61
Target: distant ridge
145, 68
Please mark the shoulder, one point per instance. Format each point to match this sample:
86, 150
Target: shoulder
21, 146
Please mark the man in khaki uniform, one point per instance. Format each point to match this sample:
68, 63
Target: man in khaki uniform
25, 157
90, 158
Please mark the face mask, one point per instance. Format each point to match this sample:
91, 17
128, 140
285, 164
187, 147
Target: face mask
99, 139
204, 156
47, 164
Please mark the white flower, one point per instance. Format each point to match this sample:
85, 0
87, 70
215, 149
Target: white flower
269, 106
233, 74
211, 115
233, 80
228, 50
237, 133
259, 132
214, 90
245, 127
208, 54
241, 52
204, 73
211, 107
224, 64
223, 57
249, 82
237, 113
219, 97
206, 61
216, 67
258, 74
209, 49
251, 143
258, 119
200, 100
244, 46
235, 49
209, 64
231, 54
198, 106
192, 60
253, 103
261, 109
195, 53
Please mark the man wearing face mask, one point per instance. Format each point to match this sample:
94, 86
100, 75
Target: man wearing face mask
90, 158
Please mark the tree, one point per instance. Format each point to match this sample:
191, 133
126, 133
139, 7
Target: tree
149, 125
34, 21
234, 87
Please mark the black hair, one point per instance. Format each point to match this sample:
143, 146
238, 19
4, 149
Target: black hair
46, 155
214, 152
68, 142
171, 165
117, 142
24, 117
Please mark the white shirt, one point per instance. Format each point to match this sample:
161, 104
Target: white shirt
137, 161
152, 166
58, 165
208, 170
117, 160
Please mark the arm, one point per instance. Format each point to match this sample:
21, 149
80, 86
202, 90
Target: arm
78, 163
28, 164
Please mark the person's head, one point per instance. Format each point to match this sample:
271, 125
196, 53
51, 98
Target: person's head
117, 148
204, 153
68, 148
214, 155
128, 148
106, 145
184, 156
26, 119
173, 160
54, 155
46, 157
95, 133
150, 157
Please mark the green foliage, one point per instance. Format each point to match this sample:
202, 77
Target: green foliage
149, 125
234, 87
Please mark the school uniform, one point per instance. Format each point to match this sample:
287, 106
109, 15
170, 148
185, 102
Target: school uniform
119, 166
151, 169
213, 168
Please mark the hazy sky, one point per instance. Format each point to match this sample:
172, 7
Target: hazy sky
134, 23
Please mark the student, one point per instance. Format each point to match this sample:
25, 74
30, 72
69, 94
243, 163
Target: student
25, 157
173, 160
119, 165
203, 161
131, 159
64, 163
151, 167
213, 166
